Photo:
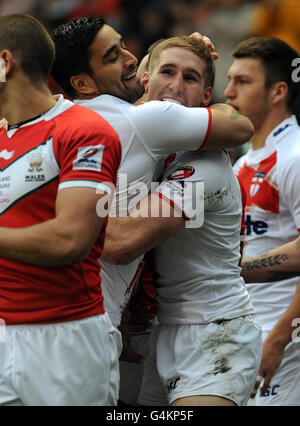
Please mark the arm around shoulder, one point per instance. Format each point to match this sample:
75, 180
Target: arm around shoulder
228, 129
129, 237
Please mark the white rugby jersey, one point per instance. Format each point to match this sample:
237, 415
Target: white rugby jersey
271, 178
148, 133
198, 274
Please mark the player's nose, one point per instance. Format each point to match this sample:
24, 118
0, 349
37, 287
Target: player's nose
229, 92
130, 60
177, 84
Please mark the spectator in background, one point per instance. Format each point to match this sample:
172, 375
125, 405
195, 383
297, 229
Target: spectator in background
12, 6
280, 19
226, 23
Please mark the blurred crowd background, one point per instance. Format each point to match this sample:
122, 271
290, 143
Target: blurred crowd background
142, 22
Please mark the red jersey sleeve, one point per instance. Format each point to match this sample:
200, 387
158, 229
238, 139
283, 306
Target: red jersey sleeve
89, 152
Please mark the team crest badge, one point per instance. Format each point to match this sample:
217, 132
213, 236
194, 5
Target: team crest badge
256, 183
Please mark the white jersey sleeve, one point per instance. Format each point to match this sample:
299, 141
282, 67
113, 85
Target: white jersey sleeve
289, 183
165, 127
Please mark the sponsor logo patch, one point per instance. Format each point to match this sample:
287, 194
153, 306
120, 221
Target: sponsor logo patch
89, 158
182, 173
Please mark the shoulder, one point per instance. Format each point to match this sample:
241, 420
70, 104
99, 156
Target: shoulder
239, 163
157, 107
288, 149
81, 121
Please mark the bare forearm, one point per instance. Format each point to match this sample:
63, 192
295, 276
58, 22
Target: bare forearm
65, 239
228, 127
42, 244
129, 237
275, 265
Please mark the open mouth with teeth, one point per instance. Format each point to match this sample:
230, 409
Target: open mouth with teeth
129, 77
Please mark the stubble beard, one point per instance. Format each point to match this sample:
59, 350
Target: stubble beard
133, 94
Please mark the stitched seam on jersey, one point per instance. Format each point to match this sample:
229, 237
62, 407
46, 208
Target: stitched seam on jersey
28, 193
142, 140
84, 282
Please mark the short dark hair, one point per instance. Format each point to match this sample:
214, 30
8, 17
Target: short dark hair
30, 43
276, 57
187, 42
72, 42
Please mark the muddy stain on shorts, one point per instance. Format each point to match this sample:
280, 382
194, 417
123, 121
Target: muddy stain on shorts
221, 365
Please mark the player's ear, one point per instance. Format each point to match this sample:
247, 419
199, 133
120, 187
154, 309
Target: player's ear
7, 63
279, 92
84, 85
207, 95
145, 81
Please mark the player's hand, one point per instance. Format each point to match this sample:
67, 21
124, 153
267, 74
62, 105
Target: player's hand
3, 123
208, 43
271, 360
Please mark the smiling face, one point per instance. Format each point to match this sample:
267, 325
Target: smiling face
246, 90
179, 75
114, 67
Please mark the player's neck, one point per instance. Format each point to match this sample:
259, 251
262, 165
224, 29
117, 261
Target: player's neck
22, 102
274, 118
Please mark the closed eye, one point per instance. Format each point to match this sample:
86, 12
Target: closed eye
166, 71
190, 77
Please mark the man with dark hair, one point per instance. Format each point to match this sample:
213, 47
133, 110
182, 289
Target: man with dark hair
261, 86
78, 54
109, 85
60, 348
37, 54
206, 349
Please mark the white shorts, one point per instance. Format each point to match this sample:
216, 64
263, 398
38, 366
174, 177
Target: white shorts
70, 363
284, 389
220, 359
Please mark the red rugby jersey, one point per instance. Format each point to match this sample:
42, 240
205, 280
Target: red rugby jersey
67, 146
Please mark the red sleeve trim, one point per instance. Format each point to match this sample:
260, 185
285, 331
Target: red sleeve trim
172, 204
208, 129
136, 277
298, 229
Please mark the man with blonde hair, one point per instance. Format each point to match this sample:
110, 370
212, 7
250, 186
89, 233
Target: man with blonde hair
206, 349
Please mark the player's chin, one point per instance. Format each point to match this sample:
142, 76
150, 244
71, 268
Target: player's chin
134, 93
